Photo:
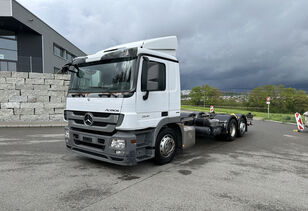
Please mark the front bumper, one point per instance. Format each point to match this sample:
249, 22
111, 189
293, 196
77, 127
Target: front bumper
97, 146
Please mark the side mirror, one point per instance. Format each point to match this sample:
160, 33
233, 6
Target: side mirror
73, 69
69, 68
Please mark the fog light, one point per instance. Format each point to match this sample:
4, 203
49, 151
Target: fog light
67, 134
117, 144
118, 152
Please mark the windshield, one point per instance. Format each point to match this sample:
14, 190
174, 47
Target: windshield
113, 76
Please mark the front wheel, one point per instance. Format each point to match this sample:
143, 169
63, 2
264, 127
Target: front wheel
166, 145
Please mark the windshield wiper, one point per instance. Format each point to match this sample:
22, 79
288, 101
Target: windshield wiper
78, 95
107, 94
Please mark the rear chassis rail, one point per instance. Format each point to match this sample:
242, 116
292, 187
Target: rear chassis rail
210, 124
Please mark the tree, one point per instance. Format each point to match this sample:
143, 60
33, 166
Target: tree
206, 93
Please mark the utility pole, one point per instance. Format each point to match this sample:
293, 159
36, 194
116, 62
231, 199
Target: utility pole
268, 102
204, 98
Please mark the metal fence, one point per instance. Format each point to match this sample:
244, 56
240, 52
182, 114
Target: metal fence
30, 64
24, 64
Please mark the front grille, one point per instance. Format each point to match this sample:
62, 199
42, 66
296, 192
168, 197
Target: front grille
103, 122
92, 131
87, 139
97, 114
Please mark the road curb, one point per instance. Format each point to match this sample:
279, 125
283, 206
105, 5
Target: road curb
288, 123
31, 124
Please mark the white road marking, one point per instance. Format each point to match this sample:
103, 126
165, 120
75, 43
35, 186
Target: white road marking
8, 139
45, 141
289, 136
30, 142
46, 135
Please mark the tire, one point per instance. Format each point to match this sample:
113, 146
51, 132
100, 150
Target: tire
231, 130
166, 146
242, 125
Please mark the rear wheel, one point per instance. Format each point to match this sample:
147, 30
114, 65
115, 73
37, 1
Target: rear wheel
242, 128
166, 145
231, 130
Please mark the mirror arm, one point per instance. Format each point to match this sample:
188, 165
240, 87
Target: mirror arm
146, 96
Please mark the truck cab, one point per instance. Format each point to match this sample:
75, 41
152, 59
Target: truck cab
123, 103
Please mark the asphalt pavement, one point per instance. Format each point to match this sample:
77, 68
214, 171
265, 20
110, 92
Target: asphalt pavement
267, 169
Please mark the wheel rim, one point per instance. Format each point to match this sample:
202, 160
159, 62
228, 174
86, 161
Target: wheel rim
167, 145
242, 127
232, 130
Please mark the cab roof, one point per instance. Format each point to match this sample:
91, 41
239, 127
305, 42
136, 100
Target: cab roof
164, 46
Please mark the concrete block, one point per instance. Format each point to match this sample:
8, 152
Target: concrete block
31, 105
18, 81
63, 99
35, 81
58, 88
54, 82
2, 80
18, 98
5, 74
34, 92
55, 99
9, 118
39, 111
7, 86
56, 93
24, 111
6, 94
10, 105
24, 87
65, 77
54, 105
41, 75
30, 118
59, 111
41, 87
6, 112
56, 117
20, 75
4, 98
38, 98
66, 83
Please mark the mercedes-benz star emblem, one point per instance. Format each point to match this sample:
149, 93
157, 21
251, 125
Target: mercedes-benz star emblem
88, 119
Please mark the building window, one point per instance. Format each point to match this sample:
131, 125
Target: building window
8, 45
7, 34
58, 51
69, 56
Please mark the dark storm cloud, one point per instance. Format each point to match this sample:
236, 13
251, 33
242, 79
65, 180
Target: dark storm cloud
227, 44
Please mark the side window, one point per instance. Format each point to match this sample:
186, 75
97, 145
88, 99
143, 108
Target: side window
153, 77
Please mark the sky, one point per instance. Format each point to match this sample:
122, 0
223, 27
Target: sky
228, 44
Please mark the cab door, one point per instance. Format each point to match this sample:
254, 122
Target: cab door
152, 92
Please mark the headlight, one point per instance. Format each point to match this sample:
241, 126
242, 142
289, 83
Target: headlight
117, 144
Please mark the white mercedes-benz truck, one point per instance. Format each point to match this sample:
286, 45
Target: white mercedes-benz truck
123, 106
